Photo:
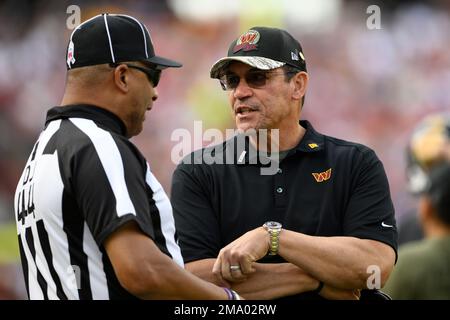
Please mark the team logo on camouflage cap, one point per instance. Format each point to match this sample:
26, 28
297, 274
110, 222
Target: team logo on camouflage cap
247, 41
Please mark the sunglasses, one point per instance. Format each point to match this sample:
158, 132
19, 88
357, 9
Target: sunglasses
153, 75
254, 79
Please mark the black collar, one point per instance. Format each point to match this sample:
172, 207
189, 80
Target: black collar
87, 111
311, 142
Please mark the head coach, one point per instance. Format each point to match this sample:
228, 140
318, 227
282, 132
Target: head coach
321, 225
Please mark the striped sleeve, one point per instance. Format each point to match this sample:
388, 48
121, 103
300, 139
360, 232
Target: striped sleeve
108, 179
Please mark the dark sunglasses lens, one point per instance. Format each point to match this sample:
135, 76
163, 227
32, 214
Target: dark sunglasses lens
256, 79
232, 81
154, 76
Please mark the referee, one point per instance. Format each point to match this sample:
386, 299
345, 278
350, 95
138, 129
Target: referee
92, 220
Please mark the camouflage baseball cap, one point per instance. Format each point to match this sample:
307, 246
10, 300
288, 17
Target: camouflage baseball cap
263, 48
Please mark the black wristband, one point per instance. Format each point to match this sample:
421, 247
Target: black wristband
319, 288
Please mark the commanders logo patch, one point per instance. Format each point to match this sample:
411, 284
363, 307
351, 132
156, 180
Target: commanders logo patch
322, 176
247, 41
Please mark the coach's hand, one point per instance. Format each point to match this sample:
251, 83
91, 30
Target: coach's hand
235, 261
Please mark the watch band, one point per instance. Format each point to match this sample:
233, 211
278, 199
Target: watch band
274, 242
274, 230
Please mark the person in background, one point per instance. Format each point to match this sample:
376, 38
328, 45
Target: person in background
422, 270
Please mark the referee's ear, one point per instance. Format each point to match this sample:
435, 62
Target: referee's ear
121, 78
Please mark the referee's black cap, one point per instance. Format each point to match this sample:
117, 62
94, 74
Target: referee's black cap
112, 38
263, 48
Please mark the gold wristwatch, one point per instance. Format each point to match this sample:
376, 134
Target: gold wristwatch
274, 229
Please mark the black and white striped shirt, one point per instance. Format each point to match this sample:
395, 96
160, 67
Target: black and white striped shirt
82, 181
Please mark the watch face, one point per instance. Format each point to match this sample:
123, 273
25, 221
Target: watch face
273, 225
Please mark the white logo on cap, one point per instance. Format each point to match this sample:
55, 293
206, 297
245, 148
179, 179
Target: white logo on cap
294, 56
70, 54
302, 56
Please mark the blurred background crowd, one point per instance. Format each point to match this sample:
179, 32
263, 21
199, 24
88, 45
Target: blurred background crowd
367, 85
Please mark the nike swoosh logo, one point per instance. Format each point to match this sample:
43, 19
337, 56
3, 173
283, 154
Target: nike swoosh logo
386, 225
